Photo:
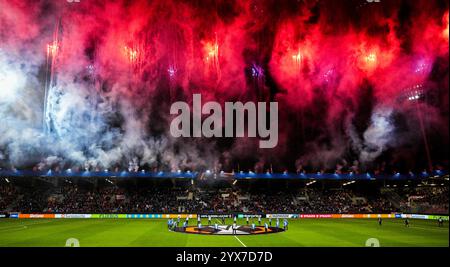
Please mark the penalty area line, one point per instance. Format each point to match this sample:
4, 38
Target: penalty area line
237, 238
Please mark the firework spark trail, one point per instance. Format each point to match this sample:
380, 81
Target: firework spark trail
50, 77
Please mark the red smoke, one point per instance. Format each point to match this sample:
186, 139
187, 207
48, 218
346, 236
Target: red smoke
308, 54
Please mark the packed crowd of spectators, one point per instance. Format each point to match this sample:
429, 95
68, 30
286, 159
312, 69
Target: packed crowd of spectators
73, 198
425, 199
7, 196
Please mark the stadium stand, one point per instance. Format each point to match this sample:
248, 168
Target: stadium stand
171, 196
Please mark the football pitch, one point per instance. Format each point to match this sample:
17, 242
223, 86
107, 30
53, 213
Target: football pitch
154, 233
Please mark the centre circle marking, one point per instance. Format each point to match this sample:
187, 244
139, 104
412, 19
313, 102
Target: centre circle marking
228, 230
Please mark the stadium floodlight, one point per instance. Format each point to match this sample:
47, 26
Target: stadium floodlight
348, 183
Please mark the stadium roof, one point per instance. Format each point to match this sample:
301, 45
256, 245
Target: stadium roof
240, 175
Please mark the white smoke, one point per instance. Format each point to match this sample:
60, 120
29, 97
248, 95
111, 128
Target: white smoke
378, 135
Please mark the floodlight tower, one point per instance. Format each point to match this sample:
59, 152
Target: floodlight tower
414, 95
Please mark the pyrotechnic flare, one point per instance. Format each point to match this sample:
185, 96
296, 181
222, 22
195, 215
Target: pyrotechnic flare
52, 49
446, 23
298, 58
328, 75
135, 55
258, 81
311, 62
257, 71
50, 78
132, 54
368, 61
172, 71
211, 50
371, 58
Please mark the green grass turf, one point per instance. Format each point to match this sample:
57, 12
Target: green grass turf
153, 232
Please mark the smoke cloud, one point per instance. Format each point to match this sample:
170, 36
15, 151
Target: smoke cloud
89, 84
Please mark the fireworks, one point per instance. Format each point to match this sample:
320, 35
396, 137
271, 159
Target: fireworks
135, 55
371, 59
298, 58
446, 23
172, 70
257, 71
131, 54
328, 75
52, 49
211, 51
368, 61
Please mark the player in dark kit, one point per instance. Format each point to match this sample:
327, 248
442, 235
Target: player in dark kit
406, 222
380, 221
440, 222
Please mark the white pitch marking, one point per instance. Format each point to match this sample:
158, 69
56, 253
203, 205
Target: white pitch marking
240, 241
